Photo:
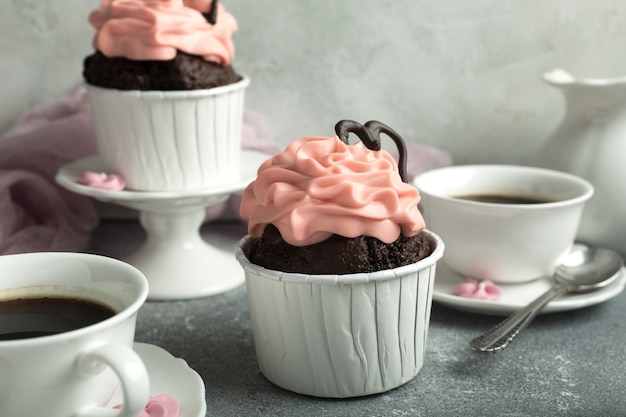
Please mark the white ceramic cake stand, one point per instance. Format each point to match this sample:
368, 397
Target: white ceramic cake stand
175, 259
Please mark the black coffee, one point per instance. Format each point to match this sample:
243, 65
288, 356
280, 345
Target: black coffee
505, 199
35, 317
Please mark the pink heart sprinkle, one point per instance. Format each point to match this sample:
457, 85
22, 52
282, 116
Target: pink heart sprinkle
484, 290
102, 181
162, 405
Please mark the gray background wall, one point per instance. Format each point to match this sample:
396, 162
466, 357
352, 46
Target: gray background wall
464, 76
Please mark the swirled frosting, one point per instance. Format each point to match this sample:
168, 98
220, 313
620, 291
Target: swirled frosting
320, 186
156, 29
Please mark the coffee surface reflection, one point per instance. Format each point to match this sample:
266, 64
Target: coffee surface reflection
505, 198
27, 318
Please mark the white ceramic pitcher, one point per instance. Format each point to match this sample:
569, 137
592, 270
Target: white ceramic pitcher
591, 143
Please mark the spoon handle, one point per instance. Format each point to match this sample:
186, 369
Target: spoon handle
499, 336
499, 344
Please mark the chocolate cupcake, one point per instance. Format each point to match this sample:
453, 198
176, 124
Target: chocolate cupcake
167, 103
339, 266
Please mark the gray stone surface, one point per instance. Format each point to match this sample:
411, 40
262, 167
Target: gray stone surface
564, 364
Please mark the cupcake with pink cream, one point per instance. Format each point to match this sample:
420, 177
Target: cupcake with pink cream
167, 103
339, 266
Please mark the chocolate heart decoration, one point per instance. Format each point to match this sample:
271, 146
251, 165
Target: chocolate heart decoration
211, 15
369, 134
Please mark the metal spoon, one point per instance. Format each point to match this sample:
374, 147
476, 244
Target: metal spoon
584, 269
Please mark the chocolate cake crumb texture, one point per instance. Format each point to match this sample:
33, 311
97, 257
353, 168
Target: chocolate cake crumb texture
337, 254
184, 72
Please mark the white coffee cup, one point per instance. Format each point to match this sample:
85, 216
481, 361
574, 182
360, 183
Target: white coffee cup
74, 373
503, 242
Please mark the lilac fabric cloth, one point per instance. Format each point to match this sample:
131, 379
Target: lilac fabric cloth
35, 213
38, 215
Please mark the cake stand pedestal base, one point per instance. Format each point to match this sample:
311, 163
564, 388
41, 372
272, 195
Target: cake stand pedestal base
175, 259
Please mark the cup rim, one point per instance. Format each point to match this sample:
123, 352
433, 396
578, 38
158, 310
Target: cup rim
334, 279
172, 94
118, 317
586, 187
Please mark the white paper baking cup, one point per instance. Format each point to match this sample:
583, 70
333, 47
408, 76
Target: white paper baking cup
340, 335
170, 140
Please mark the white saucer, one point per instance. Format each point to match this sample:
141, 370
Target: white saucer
172, 376
516, 296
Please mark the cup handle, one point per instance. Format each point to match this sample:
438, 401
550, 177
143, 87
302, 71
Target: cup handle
131, 372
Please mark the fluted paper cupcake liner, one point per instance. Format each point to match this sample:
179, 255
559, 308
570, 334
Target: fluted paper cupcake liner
170, 140
341, 335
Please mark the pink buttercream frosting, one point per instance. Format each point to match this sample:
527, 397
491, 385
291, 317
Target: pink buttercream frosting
160, 406
320, 186
157, 29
